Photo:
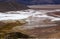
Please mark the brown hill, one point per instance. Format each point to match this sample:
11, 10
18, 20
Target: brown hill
11, 6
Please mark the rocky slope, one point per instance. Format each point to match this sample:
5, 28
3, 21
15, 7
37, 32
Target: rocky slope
10, 6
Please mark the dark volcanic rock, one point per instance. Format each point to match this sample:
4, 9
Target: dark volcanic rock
11, 6
16, 35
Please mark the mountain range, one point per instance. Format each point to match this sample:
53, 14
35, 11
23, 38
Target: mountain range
37, 2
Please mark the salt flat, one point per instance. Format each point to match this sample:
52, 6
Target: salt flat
15, 15
35, 26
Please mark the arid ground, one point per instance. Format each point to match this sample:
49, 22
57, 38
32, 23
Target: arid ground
34, 29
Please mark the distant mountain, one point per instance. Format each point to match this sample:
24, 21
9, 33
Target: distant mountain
34, 2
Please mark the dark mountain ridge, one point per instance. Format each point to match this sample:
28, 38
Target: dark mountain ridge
11, 6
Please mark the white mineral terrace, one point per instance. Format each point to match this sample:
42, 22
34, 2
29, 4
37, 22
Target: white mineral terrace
15, 15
